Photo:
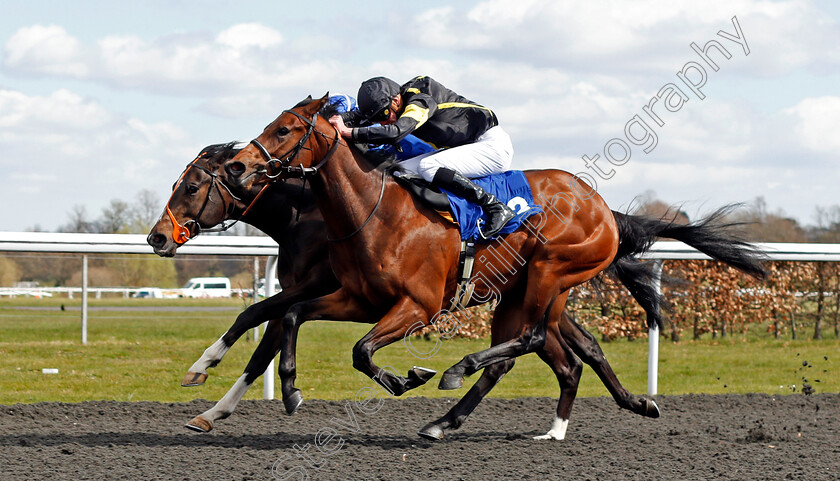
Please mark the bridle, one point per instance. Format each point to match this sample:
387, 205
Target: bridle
276, 167
181, 233
279, 166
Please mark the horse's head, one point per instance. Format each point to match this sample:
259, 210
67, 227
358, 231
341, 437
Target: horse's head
199, 201
287, 147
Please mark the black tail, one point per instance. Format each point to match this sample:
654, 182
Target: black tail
637, 233
638, 278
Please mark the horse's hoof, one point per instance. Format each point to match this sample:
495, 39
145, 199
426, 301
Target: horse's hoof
421, 375
651, 409
199, 424
194, 379
431, 431
293, 402
450, 381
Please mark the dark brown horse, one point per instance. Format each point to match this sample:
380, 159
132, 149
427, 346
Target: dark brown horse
397, 265
198, 200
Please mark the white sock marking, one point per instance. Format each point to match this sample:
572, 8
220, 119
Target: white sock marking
228, 403
211, 355
557, 431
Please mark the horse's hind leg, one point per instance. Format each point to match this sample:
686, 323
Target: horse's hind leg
505, 326
531, 317
568, 369
586, 347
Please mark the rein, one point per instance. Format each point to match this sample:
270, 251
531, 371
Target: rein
277, 166
375, 208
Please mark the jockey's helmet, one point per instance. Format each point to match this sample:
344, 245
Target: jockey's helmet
375, 95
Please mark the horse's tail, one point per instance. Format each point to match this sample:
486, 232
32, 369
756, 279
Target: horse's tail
638, 278
637, 233
718, 241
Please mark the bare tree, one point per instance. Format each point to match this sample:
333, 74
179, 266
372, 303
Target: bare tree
648, 204
145, 211
114, 218
77, 220
761, 225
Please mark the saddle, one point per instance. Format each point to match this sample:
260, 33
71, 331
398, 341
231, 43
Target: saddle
411, 181
423, 190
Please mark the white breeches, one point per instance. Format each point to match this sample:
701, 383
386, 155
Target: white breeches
492, 153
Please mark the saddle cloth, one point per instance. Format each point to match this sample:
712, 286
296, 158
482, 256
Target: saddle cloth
510, 187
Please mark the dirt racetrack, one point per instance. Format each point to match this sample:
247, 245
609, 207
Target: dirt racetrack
743, 437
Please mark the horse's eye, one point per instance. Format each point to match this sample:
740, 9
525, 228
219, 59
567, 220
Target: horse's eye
192, 189
282, 131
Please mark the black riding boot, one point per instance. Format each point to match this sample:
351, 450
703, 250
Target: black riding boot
498, 214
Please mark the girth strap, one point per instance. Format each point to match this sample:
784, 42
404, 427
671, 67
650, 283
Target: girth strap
465, 288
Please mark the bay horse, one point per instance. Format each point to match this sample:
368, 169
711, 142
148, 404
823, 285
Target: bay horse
199, 201
397, 266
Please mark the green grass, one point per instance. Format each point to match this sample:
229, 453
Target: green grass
141, 355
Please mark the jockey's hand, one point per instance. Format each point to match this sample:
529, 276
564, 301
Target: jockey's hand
338, 122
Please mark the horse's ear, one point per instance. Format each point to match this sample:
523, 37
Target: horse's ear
303, 102
323, 100
315, 106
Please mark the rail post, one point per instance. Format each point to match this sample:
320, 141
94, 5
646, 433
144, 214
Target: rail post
84, 298
255, 294
270, 275
653, 335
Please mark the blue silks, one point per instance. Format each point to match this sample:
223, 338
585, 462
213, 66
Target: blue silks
510, 187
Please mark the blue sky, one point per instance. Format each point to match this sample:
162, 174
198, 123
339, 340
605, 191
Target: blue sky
100, 100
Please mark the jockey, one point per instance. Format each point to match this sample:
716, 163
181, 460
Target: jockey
473, 143
410, 146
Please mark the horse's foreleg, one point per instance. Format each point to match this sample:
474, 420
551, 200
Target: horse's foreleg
459, 413
586, 347
392, 327
338, 306
265, 352
272, 308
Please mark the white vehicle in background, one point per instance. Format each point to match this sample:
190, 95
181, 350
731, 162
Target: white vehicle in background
207, 287
148, 293
261, 287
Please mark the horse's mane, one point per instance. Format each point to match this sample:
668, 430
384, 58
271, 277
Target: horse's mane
220, 152
328, 110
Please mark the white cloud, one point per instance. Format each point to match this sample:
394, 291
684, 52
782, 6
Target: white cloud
240, 59
564, 78
48, 50
817, 123
245, 35
62, 149
643, 36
